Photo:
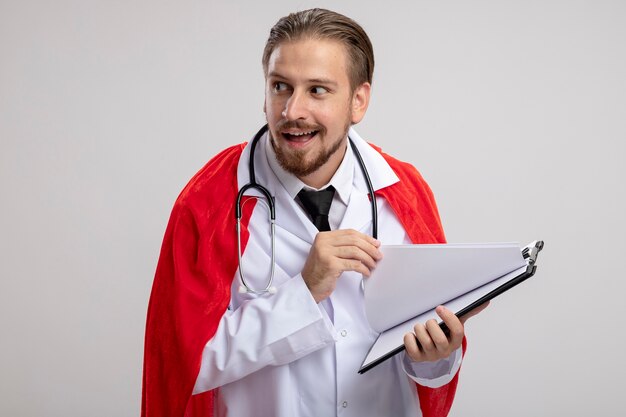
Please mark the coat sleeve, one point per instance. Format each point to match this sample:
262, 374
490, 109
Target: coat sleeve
293, 326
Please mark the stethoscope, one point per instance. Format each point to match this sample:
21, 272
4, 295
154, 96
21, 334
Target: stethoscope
268, 200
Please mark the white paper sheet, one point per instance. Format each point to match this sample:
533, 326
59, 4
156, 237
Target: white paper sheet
392, 339
413, 279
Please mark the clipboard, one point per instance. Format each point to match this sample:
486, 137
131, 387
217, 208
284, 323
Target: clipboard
463, 304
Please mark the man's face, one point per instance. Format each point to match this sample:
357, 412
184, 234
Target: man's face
310, 105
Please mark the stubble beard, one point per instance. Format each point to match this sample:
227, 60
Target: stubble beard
296, 162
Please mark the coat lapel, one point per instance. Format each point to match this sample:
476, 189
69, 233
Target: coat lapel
358, 213
291, 218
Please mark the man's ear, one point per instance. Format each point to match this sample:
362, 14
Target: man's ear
360, 101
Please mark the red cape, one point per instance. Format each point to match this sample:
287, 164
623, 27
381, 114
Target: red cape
192, 284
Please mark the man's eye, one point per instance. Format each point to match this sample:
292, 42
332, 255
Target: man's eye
319, 90
278, 86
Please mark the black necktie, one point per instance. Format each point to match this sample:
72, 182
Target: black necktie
317, 204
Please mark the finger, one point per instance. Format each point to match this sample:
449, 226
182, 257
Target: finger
424, 339
454, 325
474, 312
353, 265
347, 233
439, 338
412, 348
351, 238
355, 233
360, 243
355, 253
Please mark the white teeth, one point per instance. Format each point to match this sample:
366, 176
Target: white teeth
301, 134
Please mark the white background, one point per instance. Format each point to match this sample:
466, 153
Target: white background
514, 111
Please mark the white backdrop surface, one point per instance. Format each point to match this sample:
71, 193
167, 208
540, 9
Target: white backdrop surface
514, 111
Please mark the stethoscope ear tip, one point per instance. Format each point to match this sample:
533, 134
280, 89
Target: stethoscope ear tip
272, 290
242, 289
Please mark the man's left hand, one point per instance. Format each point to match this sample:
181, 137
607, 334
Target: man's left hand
433, 342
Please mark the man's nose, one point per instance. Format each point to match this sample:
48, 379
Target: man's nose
295, 107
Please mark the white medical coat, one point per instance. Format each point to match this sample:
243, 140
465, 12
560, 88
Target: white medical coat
285, 355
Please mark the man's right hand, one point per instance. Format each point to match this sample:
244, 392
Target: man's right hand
335, 252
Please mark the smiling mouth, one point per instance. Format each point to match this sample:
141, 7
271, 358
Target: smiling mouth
304, 136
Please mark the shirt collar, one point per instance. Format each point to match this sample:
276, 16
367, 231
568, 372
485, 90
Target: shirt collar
342, 179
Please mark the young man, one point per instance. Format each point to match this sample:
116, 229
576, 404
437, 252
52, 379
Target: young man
295, 350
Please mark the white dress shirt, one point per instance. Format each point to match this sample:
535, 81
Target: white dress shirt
284, 355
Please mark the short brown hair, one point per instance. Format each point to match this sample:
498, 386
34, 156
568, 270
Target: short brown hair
326, 24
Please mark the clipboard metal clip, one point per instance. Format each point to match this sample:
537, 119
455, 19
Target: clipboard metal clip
531, 251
